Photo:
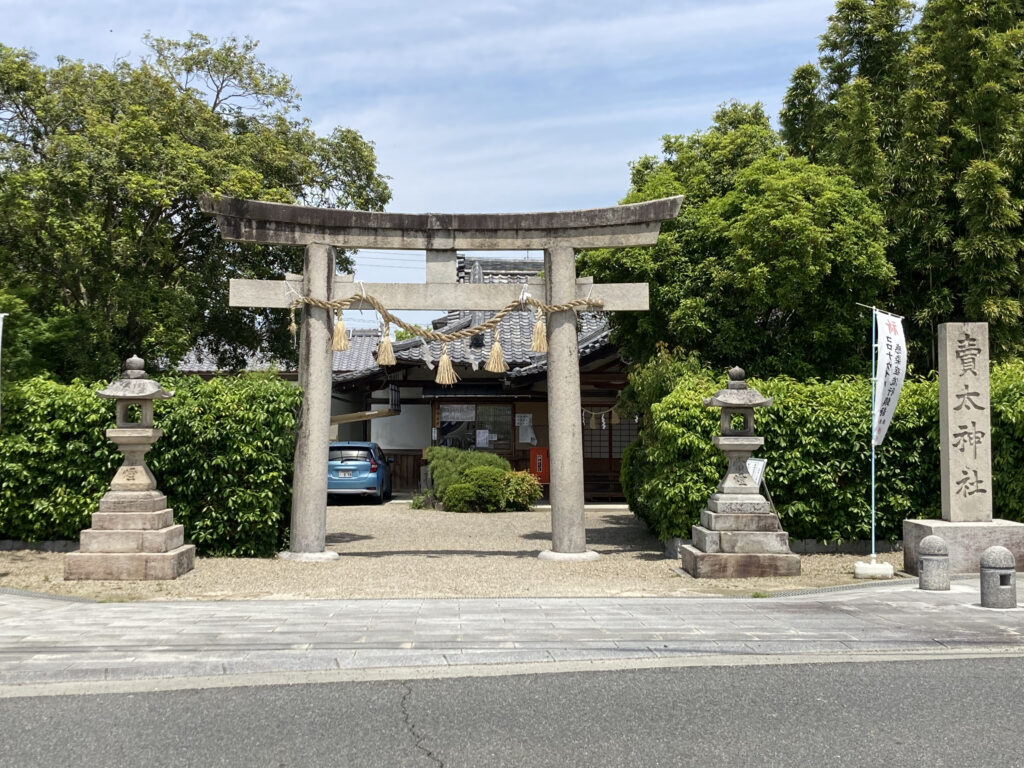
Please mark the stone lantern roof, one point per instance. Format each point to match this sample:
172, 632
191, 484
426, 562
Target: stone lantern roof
134, 384
737, 394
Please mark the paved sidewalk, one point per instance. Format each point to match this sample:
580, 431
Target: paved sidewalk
45, 640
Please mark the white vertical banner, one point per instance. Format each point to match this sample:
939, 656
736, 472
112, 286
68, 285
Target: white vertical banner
890, 369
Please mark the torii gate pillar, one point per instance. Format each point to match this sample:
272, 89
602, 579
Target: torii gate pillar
568, 527
309, 485
558, 234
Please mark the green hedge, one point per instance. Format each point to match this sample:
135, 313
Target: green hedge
55, 462
224, 462
817, 443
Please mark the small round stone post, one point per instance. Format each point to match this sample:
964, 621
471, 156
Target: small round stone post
998, 578
933, 564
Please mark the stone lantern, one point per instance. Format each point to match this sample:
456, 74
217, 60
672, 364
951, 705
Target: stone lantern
133, 535
738, 536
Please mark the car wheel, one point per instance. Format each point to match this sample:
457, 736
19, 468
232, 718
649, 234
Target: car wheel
378, 498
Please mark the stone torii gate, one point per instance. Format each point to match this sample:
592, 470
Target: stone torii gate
558, 234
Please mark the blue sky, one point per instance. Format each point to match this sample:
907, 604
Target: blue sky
492, 106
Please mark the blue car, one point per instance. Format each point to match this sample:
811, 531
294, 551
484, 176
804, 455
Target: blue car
358, 469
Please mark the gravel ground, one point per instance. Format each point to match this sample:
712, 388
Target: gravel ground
392, 551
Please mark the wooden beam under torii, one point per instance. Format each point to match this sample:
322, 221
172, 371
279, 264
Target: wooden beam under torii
558, 234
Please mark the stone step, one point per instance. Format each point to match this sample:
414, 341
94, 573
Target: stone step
754, 542
724, 565
133, 501
159, 540
705, 539
739, 504
720, 521
132, 521
138, 566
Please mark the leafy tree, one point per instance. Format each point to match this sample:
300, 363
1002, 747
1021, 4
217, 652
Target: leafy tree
766, 261
929, 118
103, 249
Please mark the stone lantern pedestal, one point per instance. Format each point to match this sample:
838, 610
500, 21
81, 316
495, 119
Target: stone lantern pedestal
738, 536
133, 535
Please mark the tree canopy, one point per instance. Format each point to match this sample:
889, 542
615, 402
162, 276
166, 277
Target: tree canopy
924, 108
766, 261
103, 250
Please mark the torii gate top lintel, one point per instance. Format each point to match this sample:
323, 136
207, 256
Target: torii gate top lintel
284, 224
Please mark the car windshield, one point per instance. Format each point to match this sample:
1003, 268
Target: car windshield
348, 454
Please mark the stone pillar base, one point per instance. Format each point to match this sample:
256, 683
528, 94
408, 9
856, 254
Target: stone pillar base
966, 542
569, 557
738, 538
728, 565
135, 542
141, 566
309, 557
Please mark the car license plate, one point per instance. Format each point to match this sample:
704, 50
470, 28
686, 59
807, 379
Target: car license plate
344, 473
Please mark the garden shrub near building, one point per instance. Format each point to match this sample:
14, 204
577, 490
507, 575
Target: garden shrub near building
471, 481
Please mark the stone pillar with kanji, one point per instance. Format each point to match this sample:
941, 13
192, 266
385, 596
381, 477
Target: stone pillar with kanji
968, 525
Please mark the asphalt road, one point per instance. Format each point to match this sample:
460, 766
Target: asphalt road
904, 713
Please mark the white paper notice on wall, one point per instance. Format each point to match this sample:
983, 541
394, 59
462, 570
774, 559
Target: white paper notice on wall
482, 438
527, 435
524, 420
458, 412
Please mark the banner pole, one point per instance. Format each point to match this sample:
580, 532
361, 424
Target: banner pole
874, 383
874, 569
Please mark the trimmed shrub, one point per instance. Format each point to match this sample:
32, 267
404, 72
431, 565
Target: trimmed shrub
481, 489
491, 489
468, 481
520, 491
460, 497
448, 465
817, 443
224, 461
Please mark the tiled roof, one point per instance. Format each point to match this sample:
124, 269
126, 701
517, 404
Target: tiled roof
200, 360
362, 344
515, 333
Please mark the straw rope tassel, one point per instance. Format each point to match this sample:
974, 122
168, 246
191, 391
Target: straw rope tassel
339, 341
445, 373
540, 335
496, 362
385, 352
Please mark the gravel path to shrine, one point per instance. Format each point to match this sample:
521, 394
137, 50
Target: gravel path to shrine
393, 551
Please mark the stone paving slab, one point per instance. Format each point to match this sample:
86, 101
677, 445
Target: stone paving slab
52, 641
